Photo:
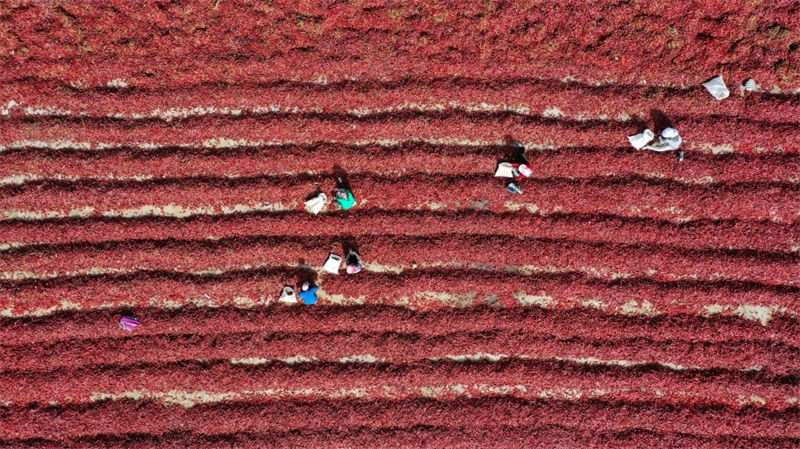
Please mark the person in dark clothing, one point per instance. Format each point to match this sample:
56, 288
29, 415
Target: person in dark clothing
353, 262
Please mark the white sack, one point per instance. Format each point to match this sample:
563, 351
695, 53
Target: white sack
287, 295
640, 140
504, 170
315, 205
333, 263
716, 86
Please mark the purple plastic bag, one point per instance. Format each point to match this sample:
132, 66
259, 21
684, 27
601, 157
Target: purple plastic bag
129, 323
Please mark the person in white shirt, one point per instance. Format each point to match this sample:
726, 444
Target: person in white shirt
669, 140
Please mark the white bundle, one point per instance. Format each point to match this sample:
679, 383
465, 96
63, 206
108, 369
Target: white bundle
716, 86
333, 263
315, 205
504, 170
287, 295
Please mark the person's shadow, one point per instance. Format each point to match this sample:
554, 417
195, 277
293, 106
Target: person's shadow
313, 194
514, 150
349, 243
660, 121
305, 273
338, 174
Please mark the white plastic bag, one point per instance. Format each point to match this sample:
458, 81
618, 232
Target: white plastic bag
504, 170
315, 205
333, 263
716, 86
288, 296
640, 140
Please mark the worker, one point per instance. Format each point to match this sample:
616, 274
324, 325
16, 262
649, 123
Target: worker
669, 140
308, 293
344, 196
353, 262
521, 151
522, 169
516, 170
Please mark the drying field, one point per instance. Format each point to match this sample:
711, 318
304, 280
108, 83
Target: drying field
154, 161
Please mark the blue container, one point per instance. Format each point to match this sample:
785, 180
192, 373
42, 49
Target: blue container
514, 189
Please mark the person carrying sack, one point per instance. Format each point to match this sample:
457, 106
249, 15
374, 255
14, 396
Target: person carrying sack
669, 140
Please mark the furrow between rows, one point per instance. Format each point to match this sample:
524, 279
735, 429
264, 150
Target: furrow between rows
397, 253
707, 135
258, 348
445, 436
121, 72
765, 236
24, 166
596, 410
432, 287
363, 99
659, 199
733, 389
575, 324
